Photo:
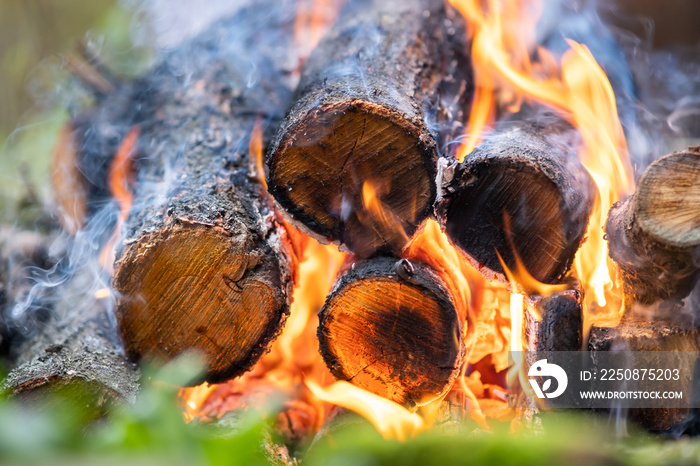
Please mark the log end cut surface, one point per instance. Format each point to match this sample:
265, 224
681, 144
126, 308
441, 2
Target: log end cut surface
392, 338
521, 191
335, 152
667, 204
194, 288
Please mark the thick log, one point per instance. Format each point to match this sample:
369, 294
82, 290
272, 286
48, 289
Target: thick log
644, 335
76, 349
360, 124
654, 236
391, 328
560, 323
205, 264
524, 191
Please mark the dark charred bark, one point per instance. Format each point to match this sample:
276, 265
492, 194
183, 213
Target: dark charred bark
391, 328
76, 349
654, 236
204, 264
645, 335
524, 191
560, 323
361, 122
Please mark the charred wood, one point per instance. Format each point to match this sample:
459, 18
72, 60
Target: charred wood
654, 236
205, 264
360, 123
559, 324
522, 191
391, 328
78, 349
644, 335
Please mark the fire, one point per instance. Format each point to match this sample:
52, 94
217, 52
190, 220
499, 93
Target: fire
255, 149
312, 19
503, 41
294, 355
392, 420
378, 211
120, 174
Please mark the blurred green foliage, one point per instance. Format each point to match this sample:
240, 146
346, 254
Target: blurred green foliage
152, 431
36, 89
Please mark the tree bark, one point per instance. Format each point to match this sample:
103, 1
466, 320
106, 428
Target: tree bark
391, 328
524, 191
373, 97
78, 348
644, 335
205, 264
654, 236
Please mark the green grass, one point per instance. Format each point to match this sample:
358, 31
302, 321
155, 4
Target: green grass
152, 431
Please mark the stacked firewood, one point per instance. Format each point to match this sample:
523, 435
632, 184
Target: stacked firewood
358, 155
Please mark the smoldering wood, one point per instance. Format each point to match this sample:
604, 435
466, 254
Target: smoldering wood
77, 349
654, 236
560, 323
361, 115
204, 264
635, 334
390, 326
84, 152
523, 190
23, 254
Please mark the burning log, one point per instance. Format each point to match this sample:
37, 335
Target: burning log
522, 191
392, 328
654, 236
560, 323
206, 265
356, 143
77, 348
643, 335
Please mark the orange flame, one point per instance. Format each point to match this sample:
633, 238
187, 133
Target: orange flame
503, 39
379, 211
120, 174
391, 419
313, 17
255, 151
294, 355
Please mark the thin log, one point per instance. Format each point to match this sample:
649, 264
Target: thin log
524, 191
654, 236
360, 124
559, 324
77, 348
205, 264
391, 328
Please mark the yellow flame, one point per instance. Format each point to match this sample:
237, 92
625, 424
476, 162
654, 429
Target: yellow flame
193, 398
390, 419
502, 42
103, 293
379, 212
522, 278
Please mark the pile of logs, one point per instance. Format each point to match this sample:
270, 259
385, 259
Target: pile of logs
205, 262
